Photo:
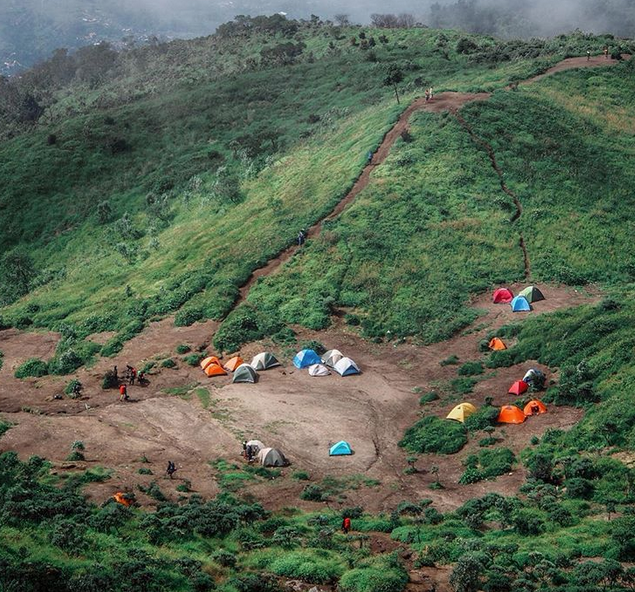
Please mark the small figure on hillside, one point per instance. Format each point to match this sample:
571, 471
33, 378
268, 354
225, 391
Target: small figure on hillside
588, 55
133, 375
427, 95
249, 453
430, 93
606, 51
123, 392
171, 469
346, 525
244, 453
141, 378
301, 237
369, 157
77, 388
114, 371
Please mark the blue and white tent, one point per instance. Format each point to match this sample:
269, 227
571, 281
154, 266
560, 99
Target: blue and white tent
305, 358
520, 304
342, 448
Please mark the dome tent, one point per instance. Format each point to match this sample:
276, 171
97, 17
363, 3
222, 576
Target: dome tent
518, 388
272, 457
342, 448
264, 361
233, 363
245, 373
256, 444
497, 344
520, 304
532, 294
461, 412
318, 370
534, 407
209, 360
346, 367
214, 370
511, 414
332, 357
533, 375
306, 358
502, 296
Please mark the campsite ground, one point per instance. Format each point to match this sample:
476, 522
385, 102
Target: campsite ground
193, 420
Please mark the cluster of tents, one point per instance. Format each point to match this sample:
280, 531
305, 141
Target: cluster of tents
242, 372
266, 456
319, 366
520, 303
307, 358
509, 413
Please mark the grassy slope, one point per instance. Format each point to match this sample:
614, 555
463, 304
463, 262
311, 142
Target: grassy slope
435, 222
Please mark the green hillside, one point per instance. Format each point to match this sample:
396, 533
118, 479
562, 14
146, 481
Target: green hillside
154, 182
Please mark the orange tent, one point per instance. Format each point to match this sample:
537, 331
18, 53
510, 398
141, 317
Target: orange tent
535, 407
518, 388
511, 414
121, 498
211, 360
497, 344
233, 363
214, 370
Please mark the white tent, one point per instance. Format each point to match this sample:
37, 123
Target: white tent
332, 357
318, 370
346, 367
271, 457
264, 361
256, 444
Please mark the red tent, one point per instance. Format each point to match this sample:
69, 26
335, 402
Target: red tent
518, 388
502, 296
511, 414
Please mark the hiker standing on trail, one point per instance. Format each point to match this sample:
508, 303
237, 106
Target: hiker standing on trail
588, 55
369, 157
301, 237
133, 375
606, 51
245, 448
171, 469
427, 95
346, 525
123, 392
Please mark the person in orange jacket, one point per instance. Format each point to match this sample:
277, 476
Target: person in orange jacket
346, 525
123, 392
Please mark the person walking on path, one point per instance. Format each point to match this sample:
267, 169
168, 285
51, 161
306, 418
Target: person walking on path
606, 51
171, 469
369, 157
301, 237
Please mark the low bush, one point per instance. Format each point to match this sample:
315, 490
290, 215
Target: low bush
428, 398
431, 434
182, 349
188, 316
168, 363
194, 359
34, 367
471, 369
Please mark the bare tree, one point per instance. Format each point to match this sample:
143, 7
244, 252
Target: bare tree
342, 20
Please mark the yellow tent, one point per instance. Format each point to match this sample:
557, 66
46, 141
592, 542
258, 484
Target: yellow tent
461, 412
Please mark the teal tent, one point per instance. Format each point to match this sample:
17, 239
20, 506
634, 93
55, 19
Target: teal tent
520, 304
340, 449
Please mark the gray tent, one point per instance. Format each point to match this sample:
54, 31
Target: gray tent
332, 357
264, 361
272, 457
245, 373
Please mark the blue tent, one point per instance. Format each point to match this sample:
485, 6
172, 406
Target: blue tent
520, 304
340, 449
305, 358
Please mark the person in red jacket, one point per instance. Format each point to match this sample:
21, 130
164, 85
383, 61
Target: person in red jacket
346, 525
123, 392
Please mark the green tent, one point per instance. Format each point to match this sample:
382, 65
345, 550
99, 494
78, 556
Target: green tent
532, 294
245, 373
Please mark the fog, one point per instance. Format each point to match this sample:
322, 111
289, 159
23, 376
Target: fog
31, 29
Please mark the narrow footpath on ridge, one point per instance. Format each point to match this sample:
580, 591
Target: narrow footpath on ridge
444, 102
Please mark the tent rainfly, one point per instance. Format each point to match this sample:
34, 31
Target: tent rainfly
256, 444
214, 370
461, 412
520, 304
209, 360
306, 358
272, 457
318, 370
533, 374
342, 448
518, 388
245, 373
264, 361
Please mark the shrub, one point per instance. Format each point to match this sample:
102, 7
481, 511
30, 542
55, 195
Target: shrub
32, 367
527, 522
72, 385
188, 316
450, 360
110, 380
579, 488
224, 558
463, 386
313, 493
471, 369
431, 434
76, 455
485, 417
373, 579
144, 471
183, 349
168, 363
300, 475
194, 359
428, 398
316, 346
